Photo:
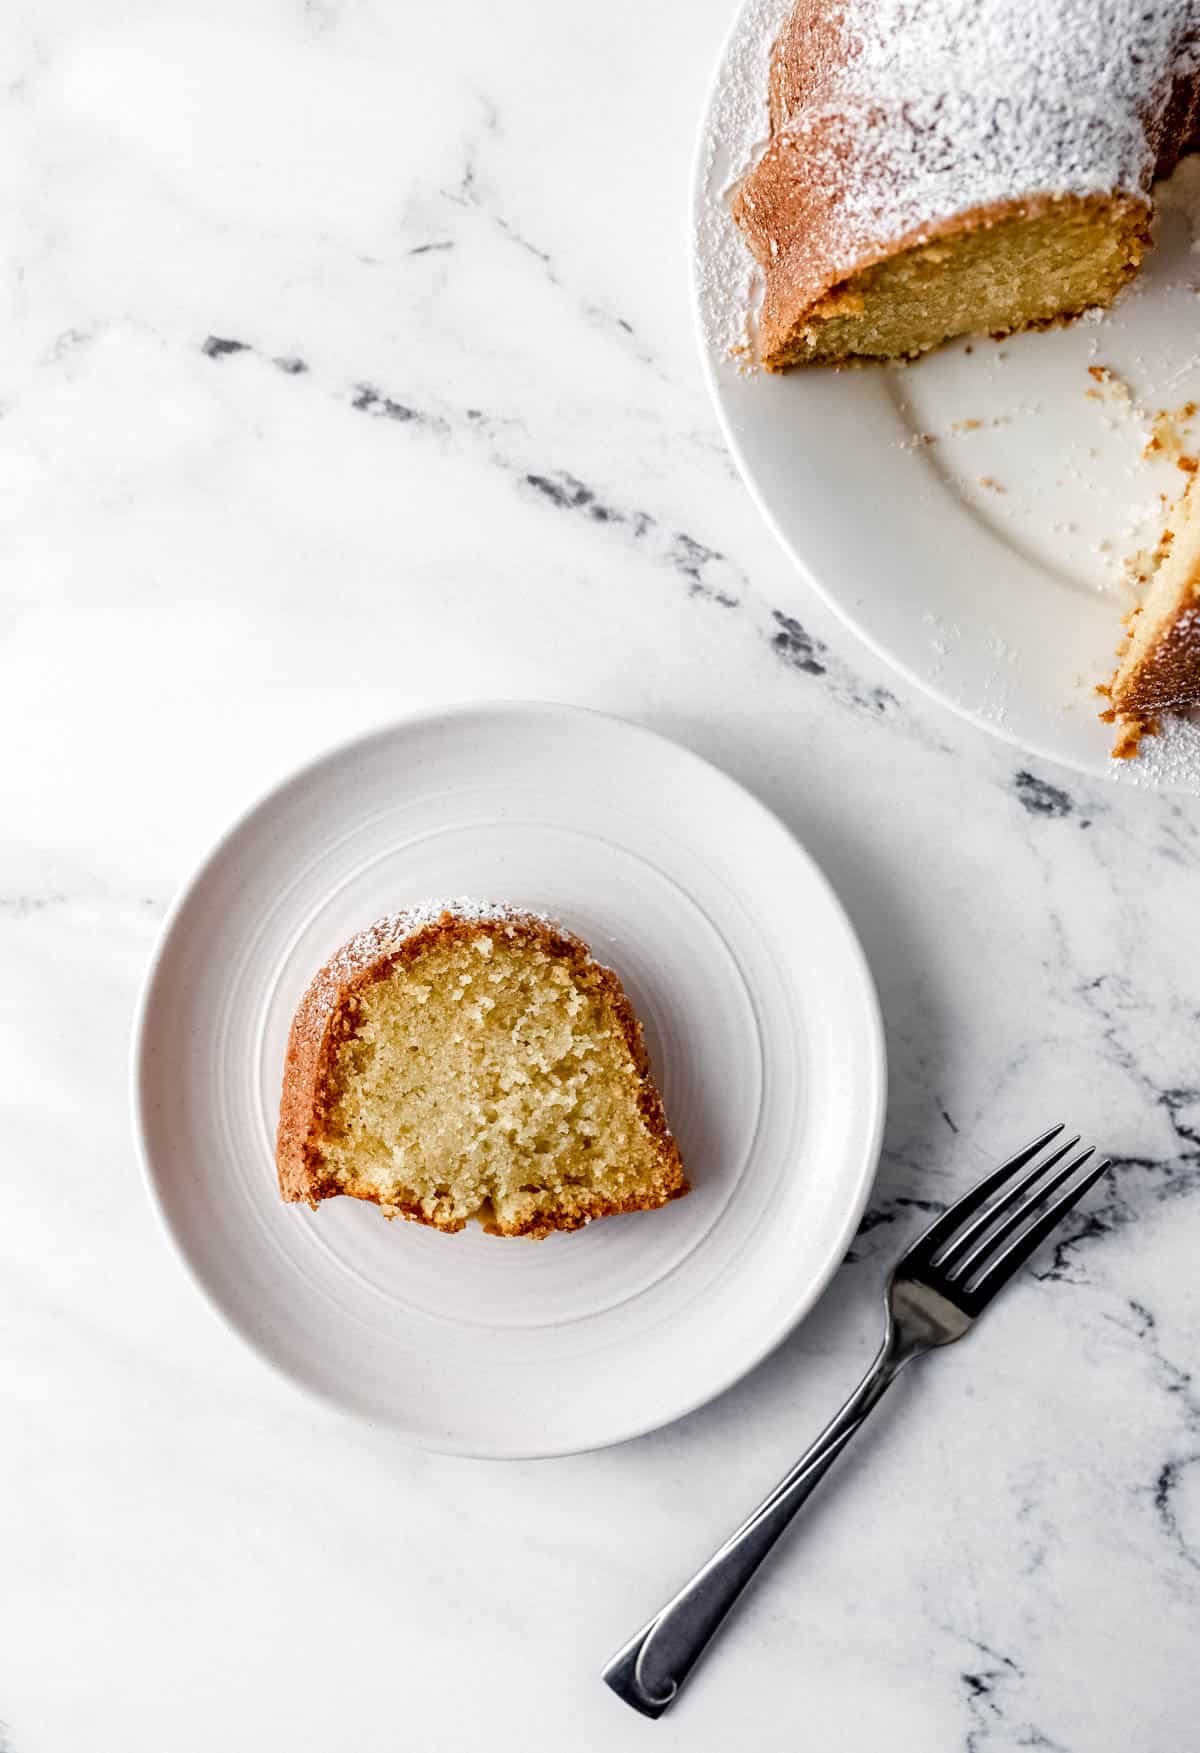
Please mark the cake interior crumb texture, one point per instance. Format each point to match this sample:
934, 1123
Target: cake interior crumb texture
496, 1076
1024, 270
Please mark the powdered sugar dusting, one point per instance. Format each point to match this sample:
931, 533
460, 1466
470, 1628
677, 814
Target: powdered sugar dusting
953, 104
389, 933
1171, 759
396, 928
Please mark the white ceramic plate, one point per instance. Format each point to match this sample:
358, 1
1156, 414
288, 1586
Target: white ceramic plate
760, 1019
986, 565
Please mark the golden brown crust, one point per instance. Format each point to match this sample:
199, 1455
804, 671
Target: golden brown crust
326, 1016
540, 1226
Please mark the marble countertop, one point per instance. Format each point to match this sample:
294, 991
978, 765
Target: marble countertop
347, 369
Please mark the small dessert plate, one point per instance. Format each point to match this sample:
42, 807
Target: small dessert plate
761, 1023
974, 516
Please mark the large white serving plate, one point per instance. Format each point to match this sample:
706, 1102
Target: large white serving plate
968, 515
760, 1018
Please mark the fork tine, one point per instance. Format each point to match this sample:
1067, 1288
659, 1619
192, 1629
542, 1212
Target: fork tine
1019, 1250
943, 1227
962, 1269
944, 1258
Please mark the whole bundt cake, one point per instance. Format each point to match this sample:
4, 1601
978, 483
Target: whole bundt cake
948, 167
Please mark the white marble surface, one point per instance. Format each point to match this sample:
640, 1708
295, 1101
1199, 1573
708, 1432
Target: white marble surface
346, 368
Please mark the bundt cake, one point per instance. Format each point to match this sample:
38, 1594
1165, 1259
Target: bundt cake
948, 167
467, 1061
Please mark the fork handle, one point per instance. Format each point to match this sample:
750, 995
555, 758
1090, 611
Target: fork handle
650, 1670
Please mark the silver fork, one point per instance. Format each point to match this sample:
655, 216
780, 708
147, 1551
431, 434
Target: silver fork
934, 1295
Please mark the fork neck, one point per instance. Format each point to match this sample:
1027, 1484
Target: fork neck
889, 1360
902, 1341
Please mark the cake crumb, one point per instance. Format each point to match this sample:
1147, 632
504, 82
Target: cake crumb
992, 485
1166, 432
1139, 568
1129, 738
1111, 387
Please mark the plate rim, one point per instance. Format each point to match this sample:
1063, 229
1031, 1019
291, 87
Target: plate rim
839, 603
873, 1074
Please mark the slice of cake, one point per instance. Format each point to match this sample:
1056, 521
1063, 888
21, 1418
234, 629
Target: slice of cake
1159, 670
467, 1061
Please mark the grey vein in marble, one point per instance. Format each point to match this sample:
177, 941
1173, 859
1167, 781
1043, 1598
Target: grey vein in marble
1039, 798
222, 347
688, 557
991, 1707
